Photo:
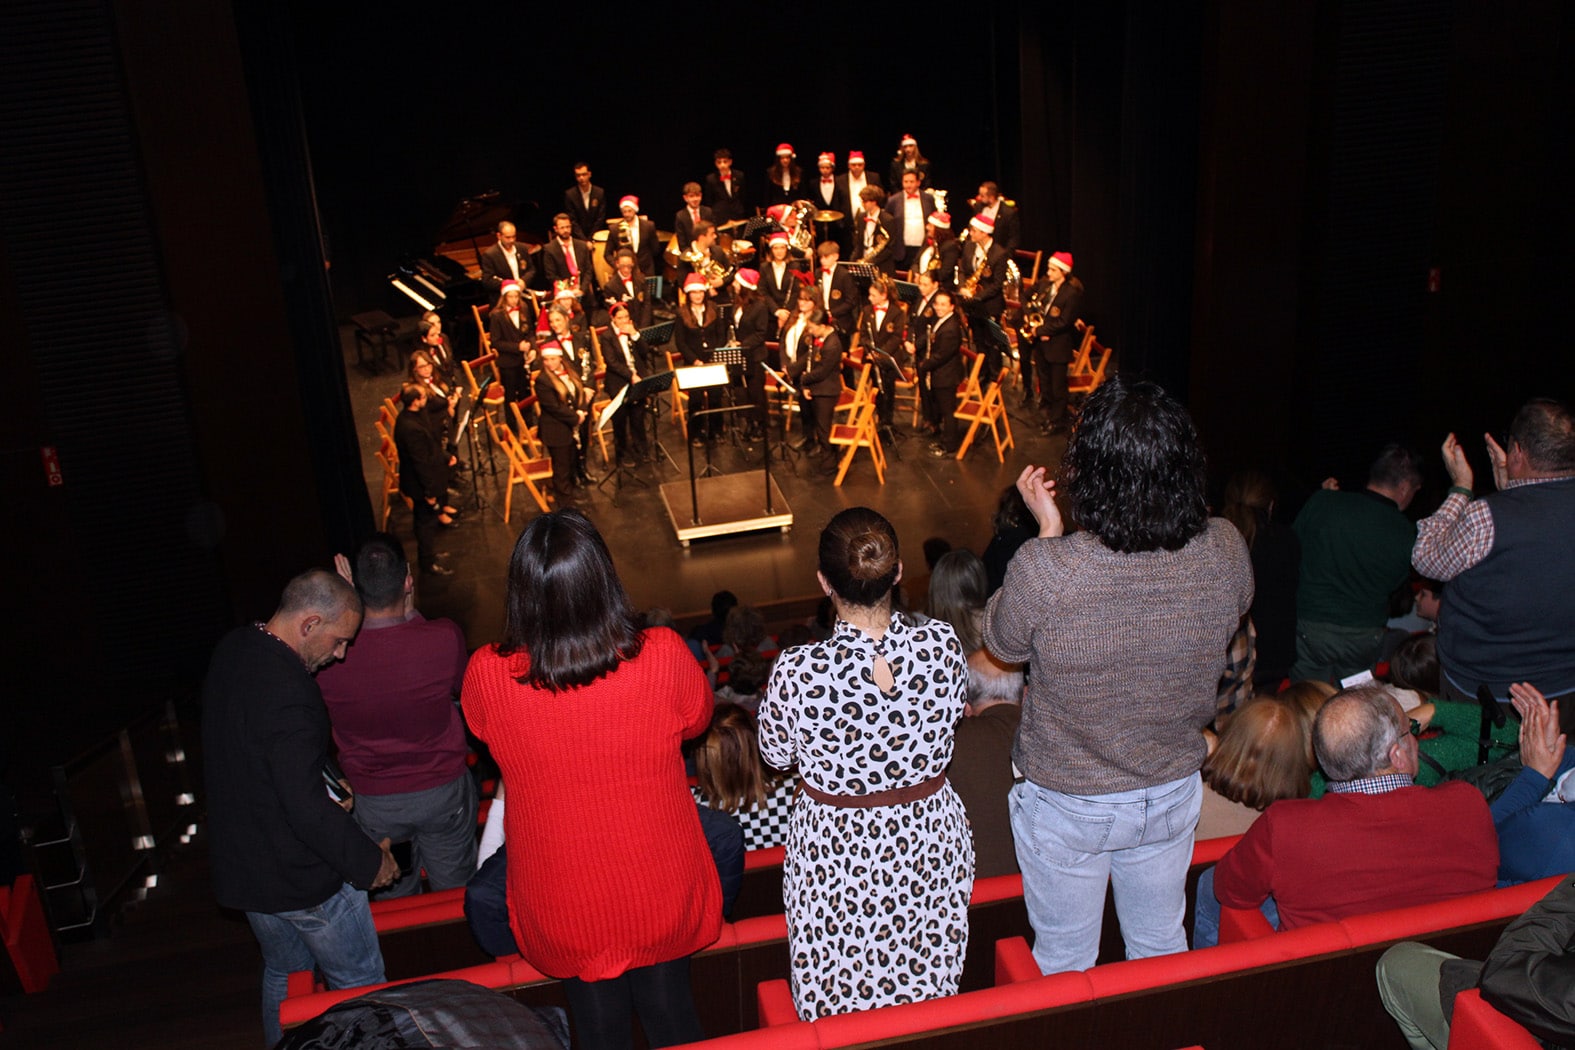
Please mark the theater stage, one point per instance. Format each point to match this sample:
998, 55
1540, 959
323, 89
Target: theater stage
922, 497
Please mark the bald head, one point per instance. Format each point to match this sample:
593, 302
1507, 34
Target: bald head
1362, 733
319, 614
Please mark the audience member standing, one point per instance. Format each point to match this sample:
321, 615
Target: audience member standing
1509, 562
1356, 550
1276, 563
1124, 628
282, 850
400, 736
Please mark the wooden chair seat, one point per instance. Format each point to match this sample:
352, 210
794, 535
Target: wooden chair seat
860, 433
988, 410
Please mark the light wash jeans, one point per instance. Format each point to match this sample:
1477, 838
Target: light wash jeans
336, 938
1206, 912
1070, 846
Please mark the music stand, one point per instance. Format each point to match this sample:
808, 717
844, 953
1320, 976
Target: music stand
619, 468
784, 450
755, 223
699, 377
659, 334
907, 291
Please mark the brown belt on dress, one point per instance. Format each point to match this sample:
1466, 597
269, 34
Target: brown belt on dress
893, 797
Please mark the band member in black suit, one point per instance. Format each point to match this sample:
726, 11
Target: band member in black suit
793, 358
853, 181
876, 239
565, 405
423, 475
910, 208
628, 361
636, 234
718, 271
438, 347
698, 330
690, 216
752, 324
938, 257
909, 158
981, 279
801, 245
724, 189
920, 315
506, 260
820, 381
1008, 224
784, 179
511, 328
567, 328
826, 195
628, 288
567, 256
882, 335
586, 205
1059, 300
780, 277
940, 372
835, 290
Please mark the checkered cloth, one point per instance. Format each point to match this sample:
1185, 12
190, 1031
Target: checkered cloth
767, 825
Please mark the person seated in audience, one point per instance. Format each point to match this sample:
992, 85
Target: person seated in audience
744, 631
1535, 816
1011, 526
1276, 553
959, 589
1261, 757
1451, 730
733, 779
710, 632
1420, 612
1376, 841
400, 737
914, 591
981, 769
1527, 977
747, 675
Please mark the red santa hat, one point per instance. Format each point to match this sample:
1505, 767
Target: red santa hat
784, 150
1062, 261
941, 219
827, 158
694, 281
630, 201
909, 140
747, 278
983, 223
777, 212
777, 238
551, 350
855, 155
509, 286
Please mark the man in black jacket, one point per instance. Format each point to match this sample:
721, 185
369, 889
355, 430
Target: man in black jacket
585, 204
940, 372
1059, 300
282, 850
423, 476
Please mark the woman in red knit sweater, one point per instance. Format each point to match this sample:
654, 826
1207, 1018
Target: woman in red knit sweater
611, 885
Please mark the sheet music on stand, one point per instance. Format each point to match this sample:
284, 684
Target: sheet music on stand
728, 355
657, 334
781, 379
612, 408
755, 223
650, 385
907, 291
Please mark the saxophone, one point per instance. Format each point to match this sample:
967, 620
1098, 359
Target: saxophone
969, 285
1033, 314
878, 245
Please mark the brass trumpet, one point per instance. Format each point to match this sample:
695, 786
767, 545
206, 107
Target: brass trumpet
701, 263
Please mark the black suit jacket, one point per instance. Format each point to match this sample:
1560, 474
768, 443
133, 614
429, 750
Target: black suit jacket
1060, 327
556, 268
895, 182
723, 294
783, 295
495, 269
891, 334
506, 337
423, 462
839, 200
726, 208
638, 298
988, 298
751, 331
277, 842
822, 374
695, 342
846, 189
618, 375
943, 359
920, 314
586, 220
684, 226
947, 272
1008, 226
844, 297
648, 256
886, 259
774, 194
559, 415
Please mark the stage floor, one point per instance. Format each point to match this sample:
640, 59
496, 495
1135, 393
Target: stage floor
922, 497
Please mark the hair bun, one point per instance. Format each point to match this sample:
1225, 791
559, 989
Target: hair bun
871, 555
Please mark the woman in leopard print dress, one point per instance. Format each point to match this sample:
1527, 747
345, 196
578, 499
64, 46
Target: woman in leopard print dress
879, 865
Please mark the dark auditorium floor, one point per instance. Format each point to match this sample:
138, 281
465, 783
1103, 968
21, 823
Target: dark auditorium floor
922, 496
175, 973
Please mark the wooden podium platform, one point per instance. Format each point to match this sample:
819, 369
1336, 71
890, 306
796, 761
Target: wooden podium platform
728, 504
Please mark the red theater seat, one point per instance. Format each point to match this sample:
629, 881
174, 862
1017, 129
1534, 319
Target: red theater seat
1477, 1026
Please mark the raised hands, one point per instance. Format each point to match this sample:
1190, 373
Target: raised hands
1039, 493
1541, 743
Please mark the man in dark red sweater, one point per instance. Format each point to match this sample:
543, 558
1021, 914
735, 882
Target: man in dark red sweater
1374, 842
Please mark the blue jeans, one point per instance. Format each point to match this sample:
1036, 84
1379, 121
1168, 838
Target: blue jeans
1206, 912
336, 938
1070, 846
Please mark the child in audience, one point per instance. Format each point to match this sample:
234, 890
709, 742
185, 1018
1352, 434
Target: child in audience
734, 780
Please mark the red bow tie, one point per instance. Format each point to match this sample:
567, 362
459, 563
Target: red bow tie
913, 196
828, 178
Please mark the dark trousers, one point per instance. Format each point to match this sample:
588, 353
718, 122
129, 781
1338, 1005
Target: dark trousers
986, 343
602, 1012
886, 399
755, 384
818, 418
515, 385
425, 518
629, 429
565, 465
942, 403
1052, 385
1026, 352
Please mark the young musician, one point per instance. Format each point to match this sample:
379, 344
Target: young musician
882, 334
699, 329
719, 270
585, 204
638, 235
820, 382
876, 239
438, 347
565, 406
908, 159
628, 362
572, 336
690, 216
920, 317
940, 372
938, 257
511, 328
852, 183
627, 287
795, 352
1059, 299
752, 324
981, 279
835, 289
784, 179
779, 277
826, 195
724, 189
1008, 225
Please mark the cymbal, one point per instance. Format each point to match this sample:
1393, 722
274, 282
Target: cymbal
828, 216
600, 236
724, 227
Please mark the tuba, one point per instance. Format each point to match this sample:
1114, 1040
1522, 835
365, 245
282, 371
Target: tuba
700, 262
1034, 313
803, 236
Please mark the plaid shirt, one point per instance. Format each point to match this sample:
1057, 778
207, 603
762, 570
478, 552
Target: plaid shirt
1457, 535
1378, 785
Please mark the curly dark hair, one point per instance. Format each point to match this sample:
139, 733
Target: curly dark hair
1134, 471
